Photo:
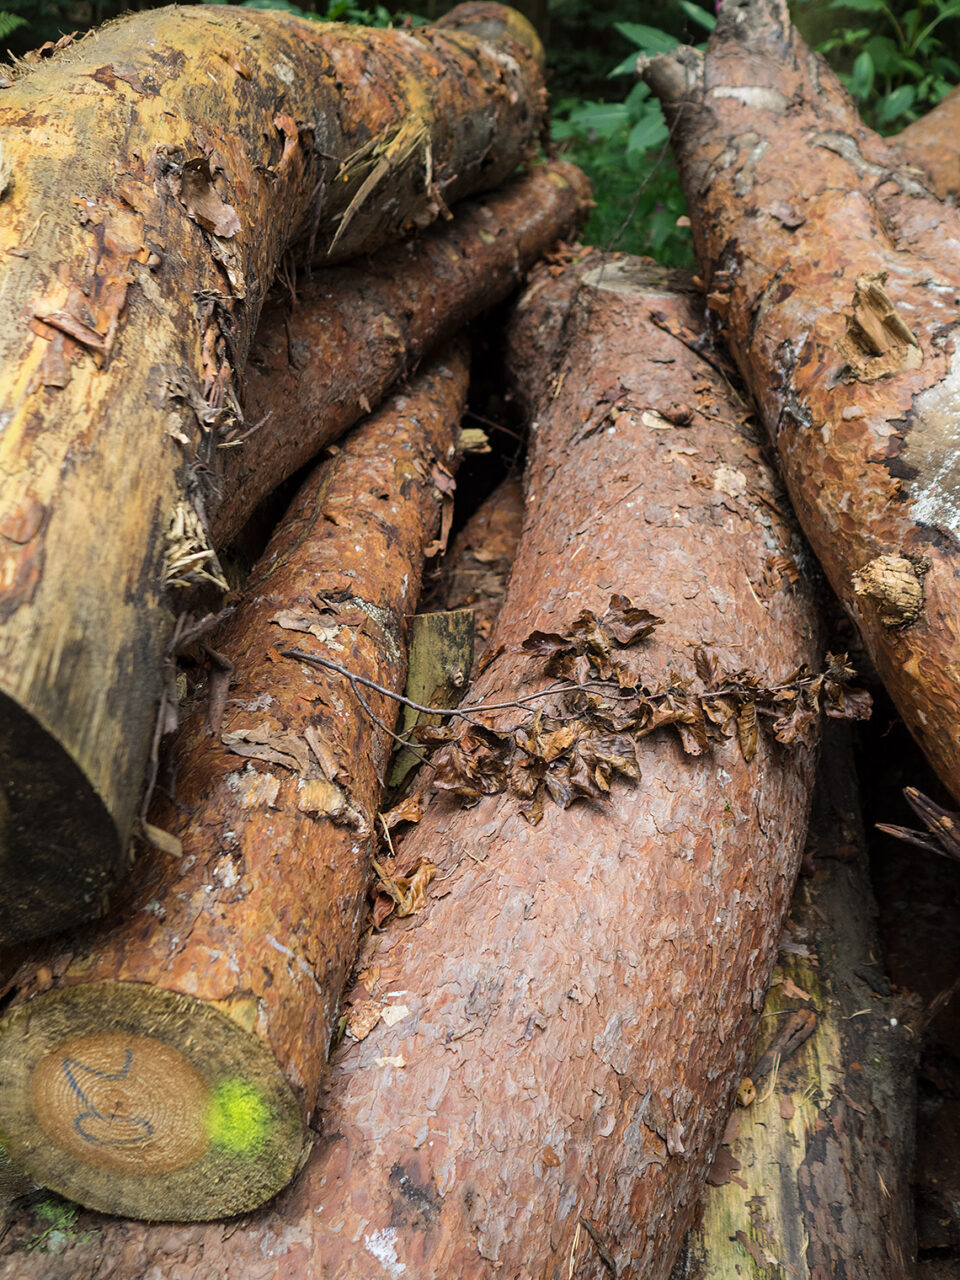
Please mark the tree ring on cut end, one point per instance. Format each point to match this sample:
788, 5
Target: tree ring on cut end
129, 1103
60, 851
145, 1103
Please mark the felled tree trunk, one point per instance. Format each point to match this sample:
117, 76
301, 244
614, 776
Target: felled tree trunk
932, 143
833, 276
394, 309
153, 177
814, 1176
557, 1034
475, 573
166, 1065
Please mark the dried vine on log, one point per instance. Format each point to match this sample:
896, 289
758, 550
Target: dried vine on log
558, 1031
394, 309
814, 1175
833, 274
134, 270
165, 1065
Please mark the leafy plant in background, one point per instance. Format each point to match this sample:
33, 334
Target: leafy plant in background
623, 148
902, 67
336, 11
9, 22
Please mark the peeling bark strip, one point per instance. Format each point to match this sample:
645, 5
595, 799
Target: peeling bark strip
133, 273
834, 276
814, 1178
394, 310
164, 1065
558, 1030
931, 144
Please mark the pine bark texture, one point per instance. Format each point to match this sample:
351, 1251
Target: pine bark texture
394, 309
833, 276
252, 930
154, 175
813, 1180
562, 1025
932, 144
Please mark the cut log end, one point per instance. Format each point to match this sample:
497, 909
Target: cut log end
140, 1102
60, 852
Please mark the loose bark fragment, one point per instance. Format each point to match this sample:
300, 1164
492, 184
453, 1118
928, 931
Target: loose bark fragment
154, 190
930, 144
574, 1004
394, 310
165, 1065
843, 319
816, 1173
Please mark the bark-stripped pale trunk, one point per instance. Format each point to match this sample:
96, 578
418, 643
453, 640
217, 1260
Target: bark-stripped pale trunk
814, 1177
932, 143
393, 309
834, 276
154, 174
165, 1066
561, 1027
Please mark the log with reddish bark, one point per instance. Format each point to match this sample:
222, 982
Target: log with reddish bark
475, 573
394, 309
932, 143
557, 1034
154, 175
833, 274
814, 1175
166, 1065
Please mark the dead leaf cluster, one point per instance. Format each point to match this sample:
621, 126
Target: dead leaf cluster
586, 732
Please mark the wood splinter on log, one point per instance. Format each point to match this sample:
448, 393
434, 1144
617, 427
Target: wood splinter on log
134, 274
166, 1064
834, 273
558, 1032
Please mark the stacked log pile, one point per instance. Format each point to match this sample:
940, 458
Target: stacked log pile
491, 1019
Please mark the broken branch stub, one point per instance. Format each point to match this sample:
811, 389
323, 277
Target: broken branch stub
166, 1063
155, 174
553, 1039
833, 274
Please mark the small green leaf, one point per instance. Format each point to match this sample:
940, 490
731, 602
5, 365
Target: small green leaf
627, 67
861, 79
897, 103
649, 39
649, 132
637, 101
861, 6
698, 15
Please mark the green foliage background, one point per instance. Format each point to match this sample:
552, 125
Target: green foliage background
896, 57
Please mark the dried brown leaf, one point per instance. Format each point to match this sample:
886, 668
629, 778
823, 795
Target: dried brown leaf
747, 731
